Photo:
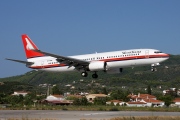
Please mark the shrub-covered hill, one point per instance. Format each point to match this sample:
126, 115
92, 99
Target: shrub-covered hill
168, 75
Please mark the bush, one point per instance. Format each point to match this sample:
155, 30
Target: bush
64, 108
114, 109
102, 109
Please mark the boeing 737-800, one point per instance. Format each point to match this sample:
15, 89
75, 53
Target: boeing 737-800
109, 62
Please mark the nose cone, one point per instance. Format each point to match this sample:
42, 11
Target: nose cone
166, 56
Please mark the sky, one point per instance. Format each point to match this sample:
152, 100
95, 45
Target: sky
74, 27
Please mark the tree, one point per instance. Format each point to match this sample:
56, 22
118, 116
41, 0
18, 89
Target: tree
149, 89
115, 95
21, 99
84, 101
28, 99
100, 101
119, 95
14, 99
168, 99
55, 90
94, 91
2, 96
104, 91
77, 101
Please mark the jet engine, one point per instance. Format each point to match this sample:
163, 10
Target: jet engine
97, 66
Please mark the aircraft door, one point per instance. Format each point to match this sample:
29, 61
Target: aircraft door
147, 54
42, 64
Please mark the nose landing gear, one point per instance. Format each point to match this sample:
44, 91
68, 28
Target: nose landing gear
153, 67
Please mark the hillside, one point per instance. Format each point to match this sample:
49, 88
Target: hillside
168, 75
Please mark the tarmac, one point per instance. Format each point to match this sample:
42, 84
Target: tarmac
76, 115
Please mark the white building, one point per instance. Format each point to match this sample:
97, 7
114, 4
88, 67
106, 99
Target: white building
91, 97
149, 100
23, 93
55, 98
154, 103
115, 102
136, 104
177, 101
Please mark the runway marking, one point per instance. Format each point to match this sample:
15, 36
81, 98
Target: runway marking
98, 113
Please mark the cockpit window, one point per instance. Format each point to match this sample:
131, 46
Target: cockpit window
157, 52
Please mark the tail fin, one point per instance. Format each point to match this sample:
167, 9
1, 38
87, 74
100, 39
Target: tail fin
29, 47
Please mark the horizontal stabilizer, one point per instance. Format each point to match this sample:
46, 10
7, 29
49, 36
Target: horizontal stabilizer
20, 61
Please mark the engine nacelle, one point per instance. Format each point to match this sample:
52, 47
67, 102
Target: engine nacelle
97, 66
114, 70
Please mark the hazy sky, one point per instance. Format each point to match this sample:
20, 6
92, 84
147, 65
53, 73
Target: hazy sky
72, 27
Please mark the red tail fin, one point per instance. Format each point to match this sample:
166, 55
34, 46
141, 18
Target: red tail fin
29, 47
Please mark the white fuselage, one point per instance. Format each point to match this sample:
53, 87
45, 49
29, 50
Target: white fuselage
115, 59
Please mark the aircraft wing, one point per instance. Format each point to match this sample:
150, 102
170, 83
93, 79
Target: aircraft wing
20, 61
77, 63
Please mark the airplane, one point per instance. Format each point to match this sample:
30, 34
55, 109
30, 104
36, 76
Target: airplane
109, 62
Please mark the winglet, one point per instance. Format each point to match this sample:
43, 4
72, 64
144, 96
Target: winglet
30, 47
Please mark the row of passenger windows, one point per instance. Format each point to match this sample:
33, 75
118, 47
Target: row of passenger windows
122, 55
53, 63
99, 58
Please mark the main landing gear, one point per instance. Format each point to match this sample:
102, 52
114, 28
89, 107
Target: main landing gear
85, 74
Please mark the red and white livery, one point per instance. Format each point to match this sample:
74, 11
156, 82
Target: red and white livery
109, 62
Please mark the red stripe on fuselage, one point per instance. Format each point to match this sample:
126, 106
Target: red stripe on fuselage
107, 60
135, 57
48, 66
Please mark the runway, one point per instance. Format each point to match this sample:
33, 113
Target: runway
76, 115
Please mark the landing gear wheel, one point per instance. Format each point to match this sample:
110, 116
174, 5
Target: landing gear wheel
84, 74
153, 69
94, 75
